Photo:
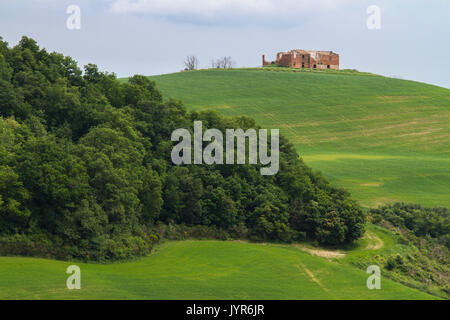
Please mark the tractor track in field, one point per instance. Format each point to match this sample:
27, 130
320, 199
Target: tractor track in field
311, 275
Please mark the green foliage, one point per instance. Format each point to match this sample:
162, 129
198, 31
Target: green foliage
432, 222
425, 262
85, 166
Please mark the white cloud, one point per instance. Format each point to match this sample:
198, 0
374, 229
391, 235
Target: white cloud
227, 10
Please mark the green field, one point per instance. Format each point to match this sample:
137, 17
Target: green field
383, 139
208, 270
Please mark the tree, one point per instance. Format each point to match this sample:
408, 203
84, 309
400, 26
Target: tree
191, 63
13, 212
223, 63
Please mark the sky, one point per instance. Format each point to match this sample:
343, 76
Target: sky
155, 36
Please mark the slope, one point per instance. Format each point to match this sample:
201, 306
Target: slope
383, 139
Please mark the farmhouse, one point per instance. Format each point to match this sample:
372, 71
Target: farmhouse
306, 59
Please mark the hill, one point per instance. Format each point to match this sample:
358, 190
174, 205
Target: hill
383, 139
86, 170
86, 175
200, 270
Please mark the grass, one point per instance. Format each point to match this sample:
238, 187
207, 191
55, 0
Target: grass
202, 270
383, 139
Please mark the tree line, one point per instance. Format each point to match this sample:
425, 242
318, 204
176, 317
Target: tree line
420, 221
86, 173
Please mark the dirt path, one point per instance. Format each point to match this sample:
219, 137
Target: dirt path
375, 242
321, 252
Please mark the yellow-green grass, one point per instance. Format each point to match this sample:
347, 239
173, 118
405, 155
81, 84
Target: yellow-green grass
383, 139
201, 270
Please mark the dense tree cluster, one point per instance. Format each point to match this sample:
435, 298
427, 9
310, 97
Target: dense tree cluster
85, 168
421, 221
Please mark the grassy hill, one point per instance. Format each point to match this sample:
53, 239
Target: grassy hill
383, 139
76, 180
209, 270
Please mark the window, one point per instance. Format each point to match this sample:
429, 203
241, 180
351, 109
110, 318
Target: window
314, 66
328, 66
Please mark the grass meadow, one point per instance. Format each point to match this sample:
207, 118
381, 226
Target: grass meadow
210, 270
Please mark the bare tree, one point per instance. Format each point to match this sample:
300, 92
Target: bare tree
223, 63
191, 63
227, 63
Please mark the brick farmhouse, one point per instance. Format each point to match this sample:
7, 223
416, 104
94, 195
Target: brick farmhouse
306, 59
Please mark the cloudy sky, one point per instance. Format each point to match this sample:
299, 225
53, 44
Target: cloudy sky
154, 36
